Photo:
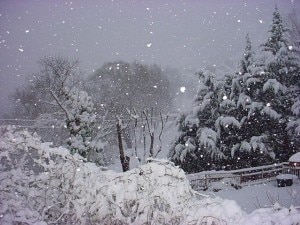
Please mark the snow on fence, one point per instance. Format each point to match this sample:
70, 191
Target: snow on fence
287, 168
242, 177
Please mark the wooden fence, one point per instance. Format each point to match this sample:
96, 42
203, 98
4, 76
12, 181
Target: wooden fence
242, 177
290, 169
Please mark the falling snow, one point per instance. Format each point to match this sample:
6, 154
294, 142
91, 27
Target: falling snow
182, 89
170, 72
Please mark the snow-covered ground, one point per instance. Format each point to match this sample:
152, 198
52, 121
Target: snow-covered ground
253, 197
48, 185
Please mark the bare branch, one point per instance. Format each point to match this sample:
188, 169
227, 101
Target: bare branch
151, 133
163, 123
60, 105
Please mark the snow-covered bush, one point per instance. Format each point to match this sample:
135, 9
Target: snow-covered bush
43, 185
80, 121
80, 117
40, 183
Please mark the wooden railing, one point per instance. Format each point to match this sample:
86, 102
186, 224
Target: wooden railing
242, 177
290, 169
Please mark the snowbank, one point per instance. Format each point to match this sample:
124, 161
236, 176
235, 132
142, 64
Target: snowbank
295, 158
44, 185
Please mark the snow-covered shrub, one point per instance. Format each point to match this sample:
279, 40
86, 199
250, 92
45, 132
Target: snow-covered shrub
80, 121
276, 215
43, 185
80, 118
154, 192
40, 183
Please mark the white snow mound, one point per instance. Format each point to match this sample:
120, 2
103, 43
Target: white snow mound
295, 157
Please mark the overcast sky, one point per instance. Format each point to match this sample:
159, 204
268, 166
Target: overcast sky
176, 33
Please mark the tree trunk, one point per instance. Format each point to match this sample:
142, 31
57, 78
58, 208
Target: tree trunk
124, 159
151, 144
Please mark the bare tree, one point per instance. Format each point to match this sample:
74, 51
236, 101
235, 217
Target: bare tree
37, 98
120, 85
150, 130
56, 75
25, 104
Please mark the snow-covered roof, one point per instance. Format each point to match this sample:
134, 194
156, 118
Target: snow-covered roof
295, 157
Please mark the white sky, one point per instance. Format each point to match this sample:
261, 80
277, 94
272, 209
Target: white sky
176, 33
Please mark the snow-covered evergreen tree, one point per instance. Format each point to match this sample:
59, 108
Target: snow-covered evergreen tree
265, 95
293, 126
248, 57
250, 118
282, 62
199, 145
279, 75
80, 120
251, 147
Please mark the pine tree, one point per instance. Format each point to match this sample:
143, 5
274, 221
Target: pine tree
244, 85
243, 120
248, 57
252, 148
200, 144
282, 63
265, 94
293, 126
80, 121
278, 75
277, 34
